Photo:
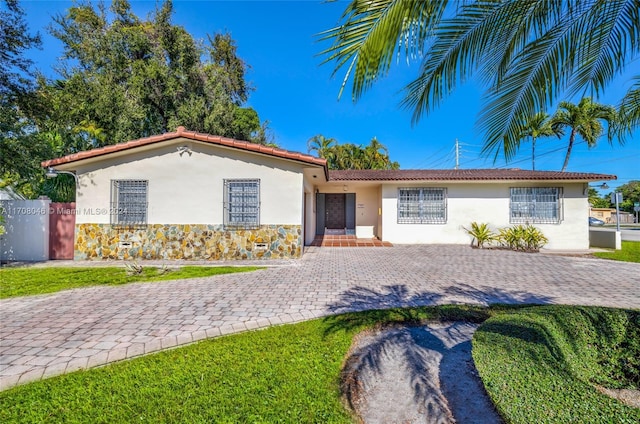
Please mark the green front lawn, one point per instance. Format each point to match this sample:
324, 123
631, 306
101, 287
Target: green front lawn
537, 363
630, 252
30, 281
282, 374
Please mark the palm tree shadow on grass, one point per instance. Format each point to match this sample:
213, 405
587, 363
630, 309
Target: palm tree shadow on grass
396, 306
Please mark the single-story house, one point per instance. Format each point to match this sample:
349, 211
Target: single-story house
187, 195
608, 215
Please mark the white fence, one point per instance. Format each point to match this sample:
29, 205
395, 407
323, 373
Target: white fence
27, 230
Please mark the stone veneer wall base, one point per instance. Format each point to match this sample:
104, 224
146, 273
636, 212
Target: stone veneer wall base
187, 242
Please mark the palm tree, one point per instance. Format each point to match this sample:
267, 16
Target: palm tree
536, 126
324, 147
376, 155
584, 119
349, 156
526, 53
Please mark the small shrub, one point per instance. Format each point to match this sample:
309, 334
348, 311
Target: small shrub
533, 238
164, 270
133, 268
480, 234
511, 237
522, 238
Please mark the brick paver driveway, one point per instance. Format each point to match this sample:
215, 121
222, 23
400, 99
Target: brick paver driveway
46, 335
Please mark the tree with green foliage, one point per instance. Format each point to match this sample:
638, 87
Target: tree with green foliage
20, 148
351, 156
347, 156
527, 54
584, 119
15, 38
597, 201
120, 78
630, 195
536, 126
322, 146
376, 156
123, 78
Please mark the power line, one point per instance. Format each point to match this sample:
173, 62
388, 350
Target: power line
442, 159
430, 158
539, 155
611, 160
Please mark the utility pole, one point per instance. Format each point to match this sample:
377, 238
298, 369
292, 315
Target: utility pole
457, 154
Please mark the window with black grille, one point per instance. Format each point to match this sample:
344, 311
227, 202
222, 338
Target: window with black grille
422, 205
536, 205
242, 203
129, 202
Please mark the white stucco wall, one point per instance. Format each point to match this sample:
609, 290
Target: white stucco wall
310, 218
188, 188
485, 203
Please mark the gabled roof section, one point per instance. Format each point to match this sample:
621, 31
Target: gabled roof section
463, 175
181, 132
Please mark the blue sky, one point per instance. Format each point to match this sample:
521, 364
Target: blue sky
299, 97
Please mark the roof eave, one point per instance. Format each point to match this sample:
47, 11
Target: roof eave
190, 135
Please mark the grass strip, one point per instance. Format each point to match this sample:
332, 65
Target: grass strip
30, 281
541, 364
630, 252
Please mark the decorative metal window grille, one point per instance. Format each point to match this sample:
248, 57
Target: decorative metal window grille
422, 205
129, 202
242, 203
536, 205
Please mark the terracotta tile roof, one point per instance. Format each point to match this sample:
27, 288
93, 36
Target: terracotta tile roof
463, 175
191, 135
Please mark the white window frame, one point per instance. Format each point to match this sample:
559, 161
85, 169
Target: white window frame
535, 205
422, 205
242, 203
129, 202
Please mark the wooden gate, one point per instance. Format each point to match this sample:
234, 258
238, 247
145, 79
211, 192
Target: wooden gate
62, 224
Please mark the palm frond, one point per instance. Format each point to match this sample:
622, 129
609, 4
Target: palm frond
529, 86
371, 32
484, 39
629, 110
609, 39
527, 53
555, 61
459, 45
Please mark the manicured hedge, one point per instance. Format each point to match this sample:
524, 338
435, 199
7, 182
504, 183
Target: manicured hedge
542, 364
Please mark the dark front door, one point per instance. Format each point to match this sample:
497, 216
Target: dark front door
334, 211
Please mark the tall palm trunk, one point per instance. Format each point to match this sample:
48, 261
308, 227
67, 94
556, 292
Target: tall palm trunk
533, 153
571, 139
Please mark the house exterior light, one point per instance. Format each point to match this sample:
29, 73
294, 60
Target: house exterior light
53, 173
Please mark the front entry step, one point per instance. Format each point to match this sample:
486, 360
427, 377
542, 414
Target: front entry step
348, 241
